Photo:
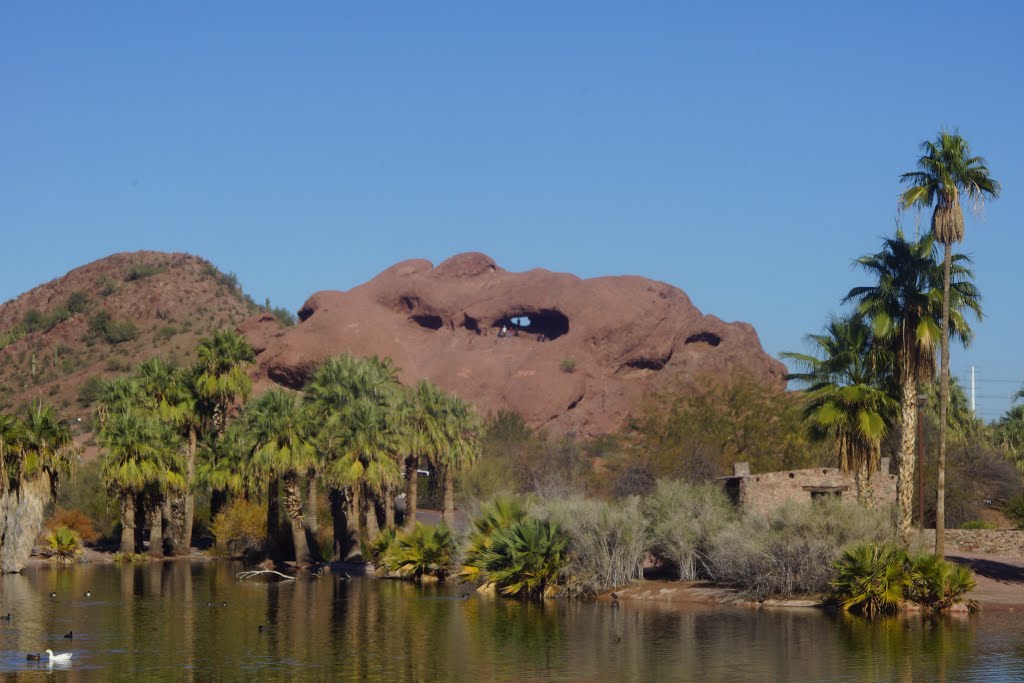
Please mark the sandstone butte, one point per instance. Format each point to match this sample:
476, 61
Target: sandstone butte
609, 342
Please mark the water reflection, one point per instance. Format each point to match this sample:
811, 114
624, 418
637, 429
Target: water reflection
197, 622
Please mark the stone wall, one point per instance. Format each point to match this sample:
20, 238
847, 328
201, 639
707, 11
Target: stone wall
768, 490
1008, 542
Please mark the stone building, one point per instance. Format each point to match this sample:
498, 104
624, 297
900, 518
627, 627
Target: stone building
768, 490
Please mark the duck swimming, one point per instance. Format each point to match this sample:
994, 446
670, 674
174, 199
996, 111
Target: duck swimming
69, 634
62, 657
53, 594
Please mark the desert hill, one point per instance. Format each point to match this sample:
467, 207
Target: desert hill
581, 354
102, 319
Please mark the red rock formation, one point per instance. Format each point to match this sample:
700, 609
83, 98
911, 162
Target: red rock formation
625, 336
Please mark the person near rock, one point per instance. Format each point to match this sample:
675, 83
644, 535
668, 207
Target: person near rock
503, 332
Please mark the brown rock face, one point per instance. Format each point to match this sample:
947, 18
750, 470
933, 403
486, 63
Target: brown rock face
580, 355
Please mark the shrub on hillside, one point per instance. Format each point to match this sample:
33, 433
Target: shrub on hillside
240, 530
790, 550
685, 519
140, 271
607, 543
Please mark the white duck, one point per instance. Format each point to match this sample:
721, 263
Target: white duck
63, 657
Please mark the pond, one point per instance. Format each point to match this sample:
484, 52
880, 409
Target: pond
195, 621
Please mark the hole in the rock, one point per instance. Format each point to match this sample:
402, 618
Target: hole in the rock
431, 322
470, 323
647, 363
705, 338
574, 403
547, 322
304, 314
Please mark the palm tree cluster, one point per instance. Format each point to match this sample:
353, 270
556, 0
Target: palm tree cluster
36, 451
353, 428
869, 367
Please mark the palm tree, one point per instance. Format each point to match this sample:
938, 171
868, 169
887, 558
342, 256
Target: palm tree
905, 310
279, 429
428, 439
461, 427
356, 403
845, 401
140, 461
220, 379
946, 169
34, 454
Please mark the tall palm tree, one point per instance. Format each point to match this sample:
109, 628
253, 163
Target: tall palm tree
355, 402
461, 427
845, 399
34, 454
220, 380
946, 169
428, 439
282, 447
905, 309
140, 462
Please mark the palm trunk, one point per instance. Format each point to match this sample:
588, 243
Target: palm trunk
389, 508
183, 543
293, 508
172, 521
448, 513
140, 522
273, 517
905, 457
340, 522
940, 497
860, 481
128, 523
412, 466
372, 527
312, 527
156, 529
355, 513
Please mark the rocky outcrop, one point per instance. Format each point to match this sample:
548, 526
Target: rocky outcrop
580, 356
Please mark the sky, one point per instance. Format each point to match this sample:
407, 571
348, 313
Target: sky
744, 152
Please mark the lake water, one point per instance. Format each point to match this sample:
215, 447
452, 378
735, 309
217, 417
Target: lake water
152, 622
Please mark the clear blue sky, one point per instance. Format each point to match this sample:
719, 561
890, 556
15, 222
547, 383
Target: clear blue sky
743, 152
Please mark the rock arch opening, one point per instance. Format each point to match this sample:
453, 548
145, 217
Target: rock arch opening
548, 322
709, 338
430, 322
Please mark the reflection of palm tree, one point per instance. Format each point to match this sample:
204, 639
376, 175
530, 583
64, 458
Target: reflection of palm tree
34, 454
905, 308
946, 169
844, 401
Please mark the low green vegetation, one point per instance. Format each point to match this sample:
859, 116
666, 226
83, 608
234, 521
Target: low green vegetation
878, 579
63, 545
139, 271
113, 331
240, 530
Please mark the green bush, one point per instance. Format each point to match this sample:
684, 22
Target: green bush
524, 558
90, 390
141, 270
979, 524
103, 326
502, 511
130, 558
63, 545
240, 530
106, 286
607, 543
78, 302
938, 585
568, 365
684, 520
1014, 509
870, 579
422, 551
790, 550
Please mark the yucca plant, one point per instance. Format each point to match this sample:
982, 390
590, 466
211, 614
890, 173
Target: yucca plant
64, 545
870, 579
938, 585
525, 558
424, 551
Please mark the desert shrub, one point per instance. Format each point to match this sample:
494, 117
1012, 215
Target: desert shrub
607, 543
240, 530
524, 558
790, 550
130, 558
979, 524
86, 494
90, 390
1014, 509
684, 520
635, 481
870, 579
284, 317
12, 335
75, 520
568, 365
140, 270
63, 545
106, 286
165, 332
78, 302
32, 320
422, 551
118, 331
